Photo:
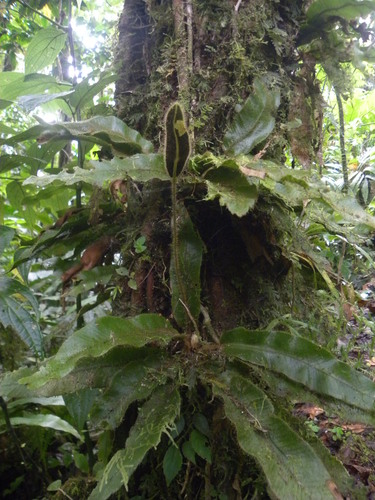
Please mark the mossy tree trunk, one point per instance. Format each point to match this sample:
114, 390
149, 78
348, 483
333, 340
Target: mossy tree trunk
206, 54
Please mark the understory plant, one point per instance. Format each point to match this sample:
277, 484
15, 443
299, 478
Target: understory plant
189, 379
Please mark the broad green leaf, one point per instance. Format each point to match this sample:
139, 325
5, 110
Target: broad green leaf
81, 462
29, 102
45, 420
44, 132
154, 418
4, 129
291, 467
6, 236
111, 130
5, 104
185, 268
347, 9
85, 91
201, 424
348, 210
8, 162
97, 338
141, 168
97, 373
254, 122
188, 451
7, 79
13, 85
177, 142
231, 187
79, 405
15, 194
43, 49
133, 382
10, 388
172, 463
9, 286
15, 315
54, 486
200, 445
301, 361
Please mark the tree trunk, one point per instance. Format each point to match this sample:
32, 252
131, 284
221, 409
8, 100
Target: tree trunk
206, 54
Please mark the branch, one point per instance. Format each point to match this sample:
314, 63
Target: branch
25, 4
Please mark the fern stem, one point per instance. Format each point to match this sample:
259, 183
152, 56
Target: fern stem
180, 283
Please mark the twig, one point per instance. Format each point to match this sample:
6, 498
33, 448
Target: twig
237, 6
208, 325
65, 494
25, 4
186, 482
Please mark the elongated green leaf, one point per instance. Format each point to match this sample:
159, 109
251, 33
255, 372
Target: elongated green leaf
302, 361
185, 281
256, 120
232, 188
111, 130
140, 168
46, 420
177, 142
347, 9
172, 463
291, 467
44, 48
155, 417
97, 338
79, 405
52, 401
7, 162
104, 130
6, 236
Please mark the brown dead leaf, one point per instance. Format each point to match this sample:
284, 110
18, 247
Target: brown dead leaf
354, 428
334, 490
250, 172
348, 311
309, 410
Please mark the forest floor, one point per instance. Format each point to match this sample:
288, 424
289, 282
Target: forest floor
352, 443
